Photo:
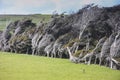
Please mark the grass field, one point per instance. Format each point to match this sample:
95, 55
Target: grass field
6, 19
28, 67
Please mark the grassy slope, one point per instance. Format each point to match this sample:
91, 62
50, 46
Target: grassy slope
26, 67
6, 19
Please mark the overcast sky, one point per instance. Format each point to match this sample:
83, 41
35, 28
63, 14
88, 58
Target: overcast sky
48, 6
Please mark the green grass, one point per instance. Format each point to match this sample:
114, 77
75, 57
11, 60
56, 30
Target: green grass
36, 18
28, 67
2, 25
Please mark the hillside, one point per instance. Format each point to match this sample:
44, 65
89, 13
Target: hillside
36, 18
26, 67
89, 36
